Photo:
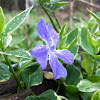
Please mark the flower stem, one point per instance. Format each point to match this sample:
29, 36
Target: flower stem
58, 88
48, 16
11, 68
95, 65
23, 68
56, 19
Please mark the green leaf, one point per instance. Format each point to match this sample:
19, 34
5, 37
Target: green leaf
7, 41
73, 75
72, 96
4, 72
96, 56
62, 43
17, 40
87, 86
62, 31
54, 1
94, 15
97, 43
30, 98
32, 75
87, 63
2, 21
85, 44
83, 22
95, 29
71, 36
18, 53
0, 44
90, 39
91, 23
23, 62
47, 95
94, 42
58, 5
94, 78
98, 72
86, 95
16, 22
96, 95
73, 47
98, 61
71, 89
63, 37
43, 1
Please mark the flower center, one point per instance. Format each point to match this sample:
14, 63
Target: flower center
52, 48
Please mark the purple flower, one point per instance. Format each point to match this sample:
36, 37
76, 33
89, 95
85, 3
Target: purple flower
43, 52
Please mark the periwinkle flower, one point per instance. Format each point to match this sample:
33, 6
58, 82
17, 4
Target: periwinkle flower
42, 52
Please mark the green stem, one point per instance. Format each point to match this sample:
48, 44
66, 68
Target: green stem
58, 88
23, 68
48, 16
94, 65
11, 68
56, 19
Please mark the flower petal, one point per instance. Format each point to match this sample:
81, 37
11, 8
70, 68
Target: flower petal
58, 70
65, 55
40, 52
53, 35
43, 31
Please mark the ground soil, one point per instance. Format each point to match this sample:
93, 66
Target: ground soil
8, 89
